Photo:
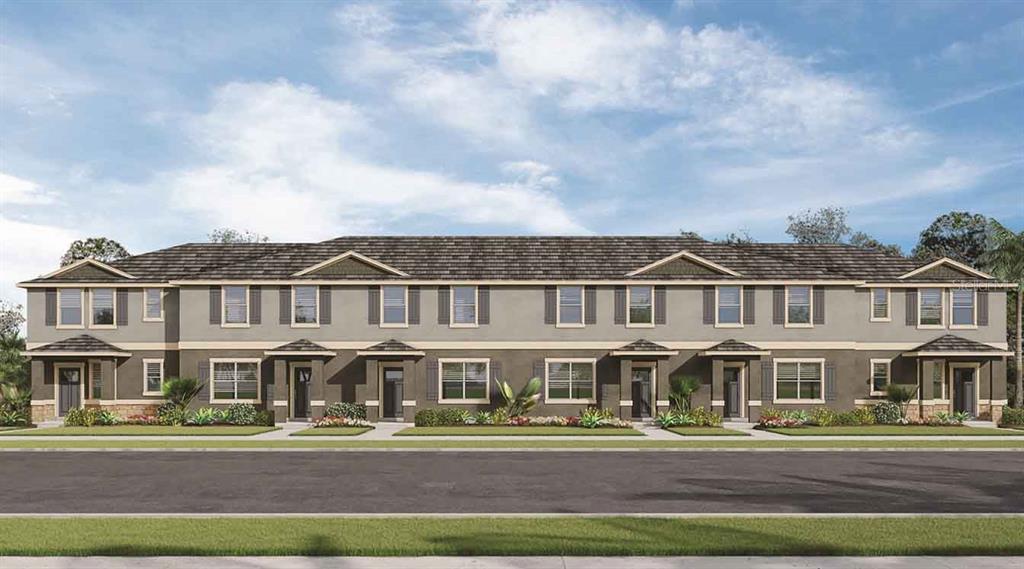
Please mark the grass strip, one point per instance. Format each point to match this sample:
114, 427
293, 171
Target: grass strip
474, 431
411, 443
3, 429
332, 432
148, 431
706, 432
891, 430
511, 536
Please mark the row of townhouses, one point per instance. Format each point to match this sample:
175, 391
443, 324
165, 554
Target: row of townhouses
407, 323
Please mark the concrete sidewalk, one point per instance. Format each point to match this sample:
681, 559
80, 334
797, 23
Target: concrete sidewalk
512, 562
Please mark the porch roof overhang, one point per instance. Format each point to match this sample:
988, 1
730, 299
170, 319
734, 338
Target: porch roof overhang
66, 354
734, 348
950, 346
82, 345
300, 348
643, 348
391, 348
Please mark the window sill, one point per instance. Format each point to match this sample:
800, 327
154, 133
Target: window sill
880, 320
227, 325
302, 325
103, 326
70, 327
728, 325
152, 319
963, 326
931, 327
383, 325
464, 401
570, 401
877, 394
638, 325
152, 394
797, 325
463, 325
570, 325
798, 401
230, 401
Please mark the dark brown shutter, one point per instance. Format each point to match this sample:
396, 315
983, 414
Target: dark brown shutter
214, 305
51, 307
444, 305
709, 305
204, 381
255, 304
373, 304
620, 305
433, 370
538, 372
749, 305
550, 302
325, 304
590, 305
496, 371
779, 305
284, 303
122, 306
414, 305
830, 382
911, 302
767, 382
660, 305
483, 311
818, 298
982, 308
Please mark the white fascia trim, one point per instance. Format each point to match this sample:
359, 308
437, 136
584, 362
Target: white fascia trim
950, 262
645, 354
354, 255
737, 353
543, 345
299, 353
391, 353
90, 284
985, 285
955, 354
88, 261
512, 282
125, 345
689, 256
29, 354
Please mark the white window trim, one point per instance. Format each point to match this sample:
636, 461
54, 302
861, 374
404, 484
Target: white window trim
113, 304
974, 312
871, 305
405, 322
440, 380
259, 380
223, 313
145, 380
145, 292
728, 324
629, 313
81, 310
316, 304
56, 384
593, 380
871, 374
810, 308
977, 381
775, 380
942, 310
583, 308
451, 308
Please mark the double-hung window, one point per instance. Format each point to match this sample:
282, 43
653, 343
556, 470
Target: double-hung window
641, 306
393, 301
962, 308
798, 306
153, 305
305, 311
570, 306
236, 306
102, 307
799, 380
880, 305
95, 380
235, 380
69, 311
464, 300
938, 381
570, 381
729, 309
929, 311
465, 381
879, 376
153, 376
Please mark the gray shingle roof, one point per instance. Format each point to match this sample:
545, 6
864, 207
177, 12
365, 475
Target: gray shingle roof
80, 343
643, 346
733, 346
951, 343
300, 346
391, 345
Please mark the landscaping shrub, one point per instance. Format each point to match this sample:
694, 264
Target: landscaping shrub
15, 406
1012, 417
824, 417
441, 417
264, 418
107, 418
12, 418
337, 421
89, 418
171, 414
241, 414
205, 416
888, 413
695, 417
775, 418
141, 420
943, 418
483, 418
347, 410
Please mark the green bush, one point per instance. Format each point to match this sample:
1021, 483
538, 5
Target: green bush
15, 406
824, 417
887, 413
170, 414
241, 414
265, 418
695, 417
12, 418
106, 418
441, 417
204, 416
346, 410
483, 418
1012, 416
79, 418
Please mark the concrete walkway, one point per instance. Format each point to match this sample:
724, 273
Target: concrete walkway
512, 562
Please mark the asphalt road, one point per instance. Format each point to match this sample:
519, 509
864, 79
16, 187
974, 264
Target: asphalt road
513, 482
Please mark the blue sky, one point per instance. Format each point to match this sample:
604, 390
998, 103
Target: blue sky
154, 123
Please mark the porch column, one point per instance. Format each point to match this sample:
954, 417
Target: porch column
753, 388
718, 385
998, 387
410, 385
316, 390
372, 391
107, 392
663, 387
625, 388
927, 403
279, 404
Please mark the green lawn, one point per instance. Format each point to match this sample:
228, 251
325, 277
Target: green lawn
475, 431
886, 430
3, 429
332, 432
707, 432
511, 536
145, 430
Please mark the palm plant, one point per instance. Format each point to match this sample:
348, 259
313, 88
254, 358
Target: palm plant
681, 390
900, 395
518, 404
180, 391
1004, 258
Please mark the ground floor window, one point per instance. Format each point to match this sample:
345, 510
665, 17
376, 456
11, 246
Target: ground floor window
235, 380
95, 380
938, 381
153, 375
570, 380
879, 376
465, 381
799, 380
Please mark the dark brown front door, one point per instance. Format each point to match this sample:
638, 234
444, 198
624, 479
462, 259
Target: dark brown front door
642, 392
394, 380
69, 381
301, 378
963, 389
732, 391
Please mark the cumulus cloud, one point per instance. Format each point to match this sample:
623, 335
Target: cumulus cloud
19, 191
28, 250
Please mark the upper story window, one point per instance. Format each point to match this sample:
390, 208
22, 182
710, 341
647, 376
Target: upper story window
879, 376
394, 306
236, 306
880, 305
464, 299
465, 381
305, 311
570, 380
153, 305
570, 306
102, 307
641, 306
929, 307
962, 313
730, 309
798, 306
69, 307
799, 380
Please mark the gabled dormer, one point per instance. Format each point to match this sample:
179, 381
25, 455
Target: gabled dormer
946, 269
683, 263
350, 263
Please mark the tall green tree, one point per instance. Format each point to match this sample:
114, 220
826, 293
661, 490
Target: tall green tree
228, 235
825, 226
865, 241
13, 366
99, 248
1004, 258
959, 235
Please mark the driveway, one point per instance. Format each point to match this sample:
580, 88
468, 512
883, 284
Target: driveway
512, 482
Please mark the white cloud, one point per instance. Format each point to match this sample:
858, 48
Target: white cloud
28, 250
36, 85
1003, 42
18, 191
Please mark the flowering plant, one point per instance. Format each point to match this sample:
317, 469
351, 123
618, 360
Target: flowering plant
141, 420
341, 422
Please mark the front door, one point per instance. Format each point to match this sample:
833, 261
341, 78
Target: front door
642, 392
393, 386
69, 380
732, 391
301, 379
963, 389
